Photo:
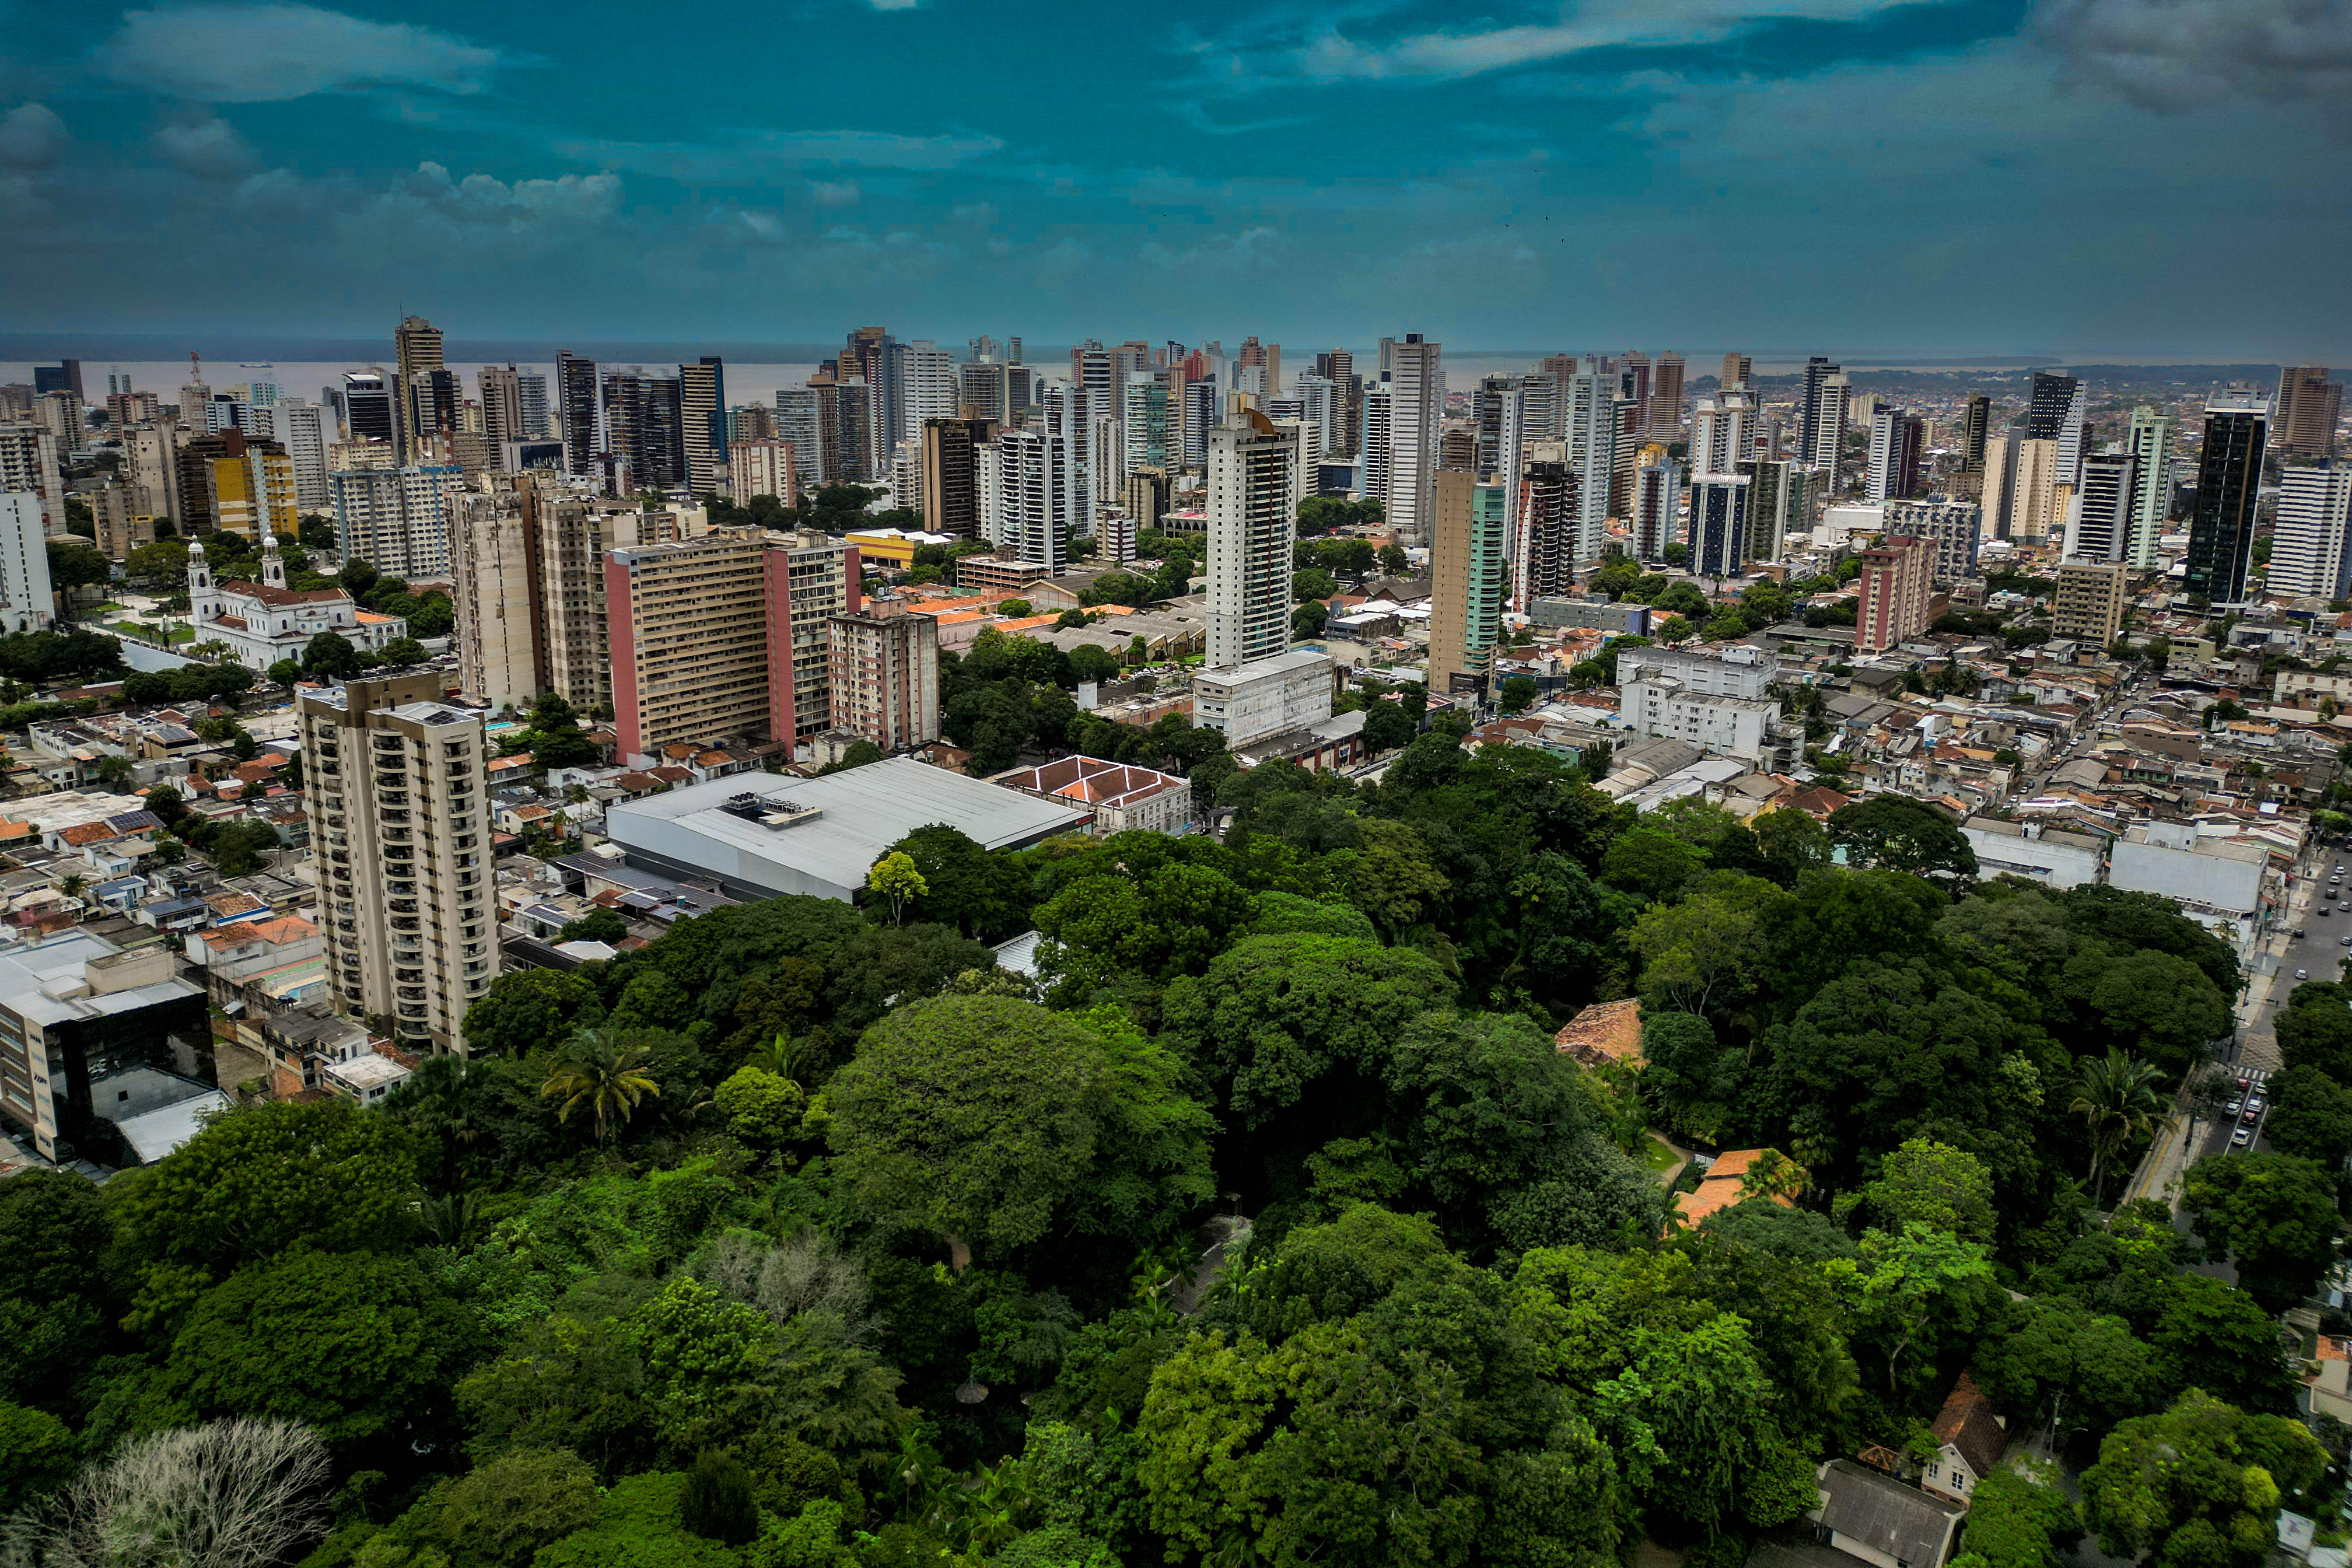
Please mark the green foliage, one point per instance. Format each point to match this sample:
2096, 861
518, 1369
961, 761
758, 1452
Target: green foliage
53, 1226
37, 1455
500, 1515
762, 1108
1901, 834
717, 1501
2017, 1522
2200, 1483
637, 1525
2273, 1214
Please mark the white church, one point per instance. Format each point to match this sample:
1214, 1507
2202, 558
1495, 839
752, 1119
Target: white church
266, 621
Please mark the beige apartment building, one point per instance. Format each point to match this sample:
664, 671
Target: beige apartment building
2037, 506
401, 845
2090, 600
885, 670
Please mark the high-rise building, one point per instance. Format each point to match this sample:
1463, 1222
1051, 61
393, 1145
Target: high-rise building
1820, 429
928, 388
367, 409
1256, 478
398, 519
61, 377
1897, 436
1466, 582
2308, 407
2150, 443
537, 416
761, 468
2038, 496
1498, 411
1591, 437
303, 433
1378, 417
1267, 357
28, 466
1201, 417
883, 668
400, 847
1722, 431
2055, 412
702, 421
27, 603
1666, 395
1417, 407
575, 412
799, 425
1893, 605
1975, 428
424, 404
252, 488
500, 390
1954, 528
2000, 482
1735, 369
1147, 423
1778, 502
1719, 523
1657, 505
645, 423
1633, 372
1543, 525
2099, 514
2229, 477
2089, 603
1149, 492
952, 464
868, 355
1024, 497
125, 514
494, 578
2311, 544
724, 636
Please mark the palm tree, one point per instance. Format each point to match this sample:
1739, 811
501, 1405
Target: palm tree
2117, 1096
597, 1070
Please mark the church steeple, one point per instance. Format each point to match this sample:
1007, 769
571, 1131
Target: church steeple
273, 567
202, 603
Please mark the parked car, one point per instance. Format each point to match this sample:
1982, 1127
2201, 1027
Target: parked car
2303, 974
2242, 1137
2234, 1106
2252, 1115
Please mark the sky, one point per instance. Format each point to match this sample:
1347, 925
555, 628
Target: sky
2075, 177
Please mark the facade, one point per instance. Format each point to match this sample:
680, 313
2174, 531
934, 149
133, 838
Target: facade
761, 468
27, 603
1658, 507
367, 408
1896, 575
266, 621
1666, 403
2037, 506
2099, 516
575, 413
2308, 407
1590, 421
28, 466
252, 488
105, 1054
702, 423
644, 428
1779, 501
1543, 525
2149, 445
401, 846
1628, 615
2000, 488
1821, 419
1415, 411
1719, 524
398, 519
1716, 700
124, 515
1263, 698
951, 474
883, 671
2089, 603
1896, 436
1027, 489
1255, 478
1466, 574
724, 636
2228, 479
2055, 412
494, 581
2311, 544
302, 430
1954, 527
1123, 798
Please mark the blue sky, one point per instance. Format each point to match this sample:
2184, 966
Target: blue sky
2133, 177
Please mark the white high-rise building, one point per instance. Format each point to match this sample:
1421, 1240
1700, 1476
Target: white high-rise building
797, 423
26, 603
2150, 443
1417, 390
761, 468
1378, 407
538, 418
2099, 513
28, 464
2311, 549
1255, 471
1025, 486
1318, 405
398, 519
1658, 507
1722, 431
928, 388
2070, 436
302, 430
1826, 451
1591, 433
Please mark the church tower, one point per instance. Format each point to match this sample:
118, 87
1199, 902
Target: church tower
204, 600
273, 566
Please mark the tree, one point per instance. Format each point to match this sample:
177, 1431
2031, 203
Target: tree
2311, 1117
597, 1068
2020, 1521
37, 1456
1387, 727
1675, 629
2214, 1336
230, 1494
555, 739
500, 1515
1790, 844
359, 578
894, 878
2197, 1486
597, 925
401, 652
1934, 1185
717, 1501
1917, 1285
168, 804
983, 895
330, 656
285, 672
52, 1223
1394, 560
2275, 1218
73, 564
1518, 693
1900, 833
2118, 1097
529, 1007
991, 1120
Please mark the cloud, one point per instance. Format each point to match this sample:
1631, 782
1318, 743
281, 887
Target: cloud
2174, 55
894, 4
1330, 55
748, 154
481, 210
269, 52
1263, 250
31, 137
208, 149
831, 194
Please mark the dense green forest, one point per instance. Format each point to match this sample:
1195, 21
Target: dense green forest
1269, 1227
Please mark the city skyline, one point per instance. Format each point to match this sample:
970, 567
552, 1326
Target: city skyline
1972, 177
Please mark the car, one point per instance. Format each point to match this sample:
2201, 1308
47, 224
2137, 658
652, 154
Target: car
2254, 1114
2303, 974
2256, 1105
2242, 1137
2234, 1106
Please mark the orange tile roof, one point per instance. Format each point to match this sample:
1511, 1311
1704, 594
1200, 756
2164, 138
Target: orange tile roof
1606, 1031
1721, 1187
88, 833
1028, 622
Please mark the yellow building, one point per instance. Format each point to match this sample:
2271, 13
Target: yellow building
254, 491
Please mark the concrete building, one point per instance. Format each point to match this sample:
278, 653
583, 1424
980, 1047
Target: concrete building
1543, 525
2311, 544
2099, 516
1658, 507
125, 514
2000, 487
1895, 576
1780, 502
265, 622
762, 468
401, 848
725, 636
2090, 601
1466, 582
494, 582
1954, 527
2218, 885
398, 519
1713, 699
1263, 698
302, 427
105, 1054
1629, 616
27, 602
28, 466
760, 837
2229, 479
1416, 411
884, 675
1029, 486
1719, 524
1897, 438
951, 475
2037, 504
2050, 857
1255, 475
1590, 419
2308, 407
1123, 798
2148, 443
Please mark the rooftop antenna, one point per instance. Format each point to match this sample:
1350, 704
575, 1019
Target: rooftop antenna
196, 368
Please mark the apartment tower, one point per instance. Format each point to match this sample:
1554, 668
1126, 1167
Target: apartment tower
1255, 483
1466, 572
2229, 477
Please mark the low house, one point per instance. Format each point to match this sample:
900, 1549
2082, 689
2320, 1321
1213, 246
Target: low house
1971, 1439
1604, 1034
1724, 1183
1879, 1521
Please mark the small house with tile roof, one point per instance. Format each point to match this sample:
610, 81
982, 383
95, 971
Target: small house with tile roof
1605, 1034
1971, 1440
1724, 1185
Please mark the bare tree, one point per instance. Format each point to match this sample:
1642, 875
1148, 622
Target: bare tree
805, 1274
231, 1494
